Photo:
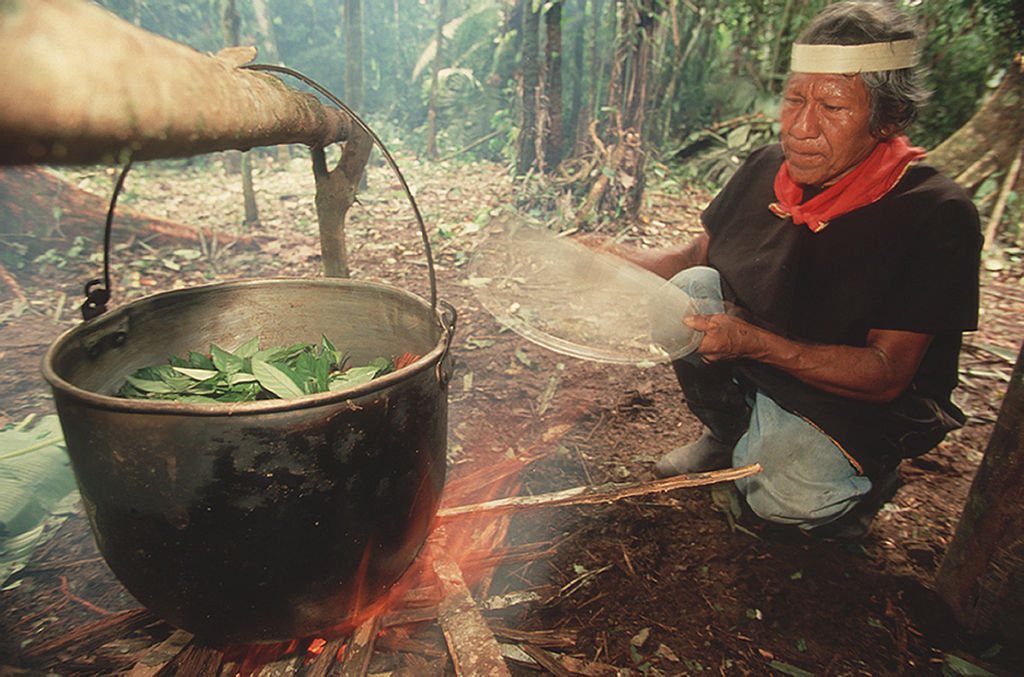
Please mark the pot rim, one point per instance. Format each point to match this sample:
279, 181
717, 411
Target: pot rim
168, 407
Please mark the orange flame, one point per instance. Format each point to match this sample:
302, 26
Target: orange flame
470, 542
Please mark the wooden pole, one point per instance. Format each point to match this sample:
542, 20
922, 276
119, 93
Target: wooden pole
82, 86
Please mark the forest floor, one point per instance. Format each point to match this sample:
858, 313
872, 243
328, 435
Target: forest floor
658, 585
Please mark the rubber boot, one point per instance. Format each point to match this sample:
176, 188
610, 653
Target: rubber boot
707, 453
714, 398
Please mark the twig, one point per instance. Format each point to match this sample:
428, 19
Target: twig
9, 280
605, 493
1004, 193
88, 605
981, 168
476, 143
196, 660
545, 660
59, 310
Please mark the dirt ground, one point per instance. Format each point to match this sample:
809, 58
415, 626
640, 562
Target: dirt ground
658, 585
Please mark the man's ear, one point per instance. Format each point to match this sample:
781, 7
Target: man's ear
888, 131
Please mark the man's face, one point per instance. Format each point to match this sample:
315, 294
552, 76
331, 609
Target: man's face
824, 124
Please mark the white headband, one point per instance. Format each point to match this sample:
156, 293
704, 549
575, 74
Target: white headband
869, 58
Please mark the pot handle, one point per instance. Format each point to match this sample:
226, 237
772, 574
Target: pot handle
446, 366
270, 68
96, 299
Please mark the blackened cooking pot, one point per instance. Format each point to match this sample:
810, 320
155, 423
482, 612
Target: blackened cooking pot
268, 520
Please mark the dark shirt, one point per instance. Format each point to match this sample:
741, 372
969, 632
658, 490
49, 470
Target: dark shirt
908, 261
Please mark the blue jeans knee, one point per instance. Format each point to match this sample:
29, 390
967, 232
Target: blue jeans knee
806, 479
703, 284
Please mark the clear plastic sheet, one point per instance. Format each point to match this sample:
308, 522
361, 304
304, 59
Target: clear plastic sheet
577, 301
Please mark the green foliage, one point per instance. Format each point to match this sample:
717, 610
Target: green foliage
249, 374
965, 54
710, 61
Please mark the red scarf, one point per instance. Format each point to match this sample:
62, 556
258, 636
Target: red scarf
870, 180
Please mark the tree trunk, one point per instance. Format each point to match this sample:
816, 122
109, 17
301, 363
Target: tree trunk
526, 147
353, 20
982, 574
116, 90
230, 25
997, 126
231, 22
619, 186
576, 96
553, 85
442, 10
252, 214
265, 26
38, 211
335, 193
991, 142
397, 59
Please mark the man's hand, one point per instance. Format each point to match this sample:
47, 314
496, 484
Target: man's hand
727, 337
878, 372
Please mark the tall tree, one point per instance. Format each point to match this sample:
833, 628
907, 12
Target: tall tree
526, 144
239, 162
618, 187
230, 27
552, 140
271, 54
578, 41
352, 18
982, 573
442, 11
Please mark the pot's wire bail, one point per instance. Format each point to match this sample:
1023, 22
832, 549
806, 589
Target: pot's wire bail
270, 68
96, 297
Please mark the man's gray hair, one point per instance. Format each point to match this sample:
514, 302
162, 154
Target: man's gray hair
896, 95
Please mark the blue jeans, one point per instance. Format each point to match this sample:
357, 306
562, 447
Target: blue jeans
806, 479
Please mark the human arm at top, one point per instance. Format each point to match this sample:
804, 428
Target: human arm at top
878, 372
666, 261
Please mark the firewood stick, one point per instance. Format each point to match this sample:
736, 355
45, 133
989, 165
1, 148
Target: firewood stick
605, 493
160, 655
325, 661
360, 648
473, 649
545, 660
196, 660
88, 637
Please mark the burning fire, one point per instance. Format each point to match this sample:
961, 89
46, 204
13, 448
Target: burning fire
473, 543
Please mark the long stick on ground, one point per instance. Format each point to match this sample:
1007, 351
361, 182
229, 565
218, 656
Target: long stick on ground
604, 493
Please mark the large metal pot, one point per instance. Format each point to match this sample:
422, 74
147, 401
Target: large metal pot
269, 520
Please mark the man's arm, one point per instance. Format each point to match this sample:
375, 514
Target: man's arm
666, 261
878, 372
